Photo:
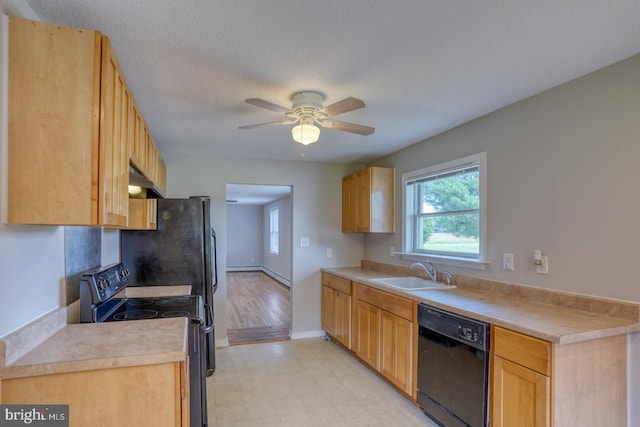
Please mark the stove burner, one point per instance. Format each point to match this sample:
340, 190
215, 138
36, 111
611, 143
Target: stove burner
174, 302
176, 314
135, 315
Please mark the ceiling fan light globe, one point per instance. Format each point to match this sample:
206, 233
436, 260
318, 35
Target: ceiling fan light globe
305, 134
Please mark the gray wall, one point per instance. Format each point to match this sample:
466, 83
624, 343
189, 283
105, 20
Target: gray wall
561, 177
244, 236
316, 213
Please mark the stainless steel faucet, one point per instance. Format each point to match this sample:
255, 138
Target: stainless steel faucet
433, 272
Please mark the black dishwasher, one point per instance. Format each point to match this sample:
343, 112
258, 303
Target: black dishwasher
453, 368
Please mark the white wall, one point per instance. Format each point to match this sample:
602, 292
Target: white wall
244, 236
563, 178
32, 264
316, 195
280, 263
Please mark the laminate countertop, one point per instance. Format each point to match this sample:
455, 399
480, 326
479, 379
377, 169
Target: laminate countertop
557, 320
89, 346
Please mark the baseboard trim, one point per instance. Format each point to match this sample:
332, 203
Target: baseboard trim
245, 268
308, 334
276, 276
223, 342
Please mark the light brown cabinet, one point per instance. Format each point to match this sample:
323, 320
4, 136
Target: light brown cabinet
115, 105
336, 308
71, 120
521, 380
366, 333
368, 201
537, 383
148, 395
143, 214
384, 334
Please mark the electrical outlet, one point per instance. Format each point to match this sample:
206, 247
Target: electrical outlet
329, 252
392, 251
304, 241
544, 267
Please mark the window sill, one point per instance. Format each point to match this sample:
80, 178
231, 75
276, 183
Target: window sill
446, 260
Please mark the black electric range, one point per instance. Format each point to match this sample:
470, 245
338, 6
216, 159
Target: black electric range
101, 300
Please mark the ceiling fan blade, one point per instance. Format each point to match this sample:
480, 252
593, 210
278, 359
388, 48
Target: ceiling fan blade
266, 104
348, 127
282, 122
340, 107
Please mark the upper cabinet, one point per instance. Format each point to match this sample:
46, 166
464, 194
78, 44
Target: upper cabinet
368, 201
72, 123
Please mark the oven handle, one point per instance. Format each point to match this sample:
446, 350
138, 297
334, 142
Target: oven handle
209, 313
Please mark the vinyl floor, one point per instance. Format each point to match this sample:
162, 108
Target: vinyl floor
302, 383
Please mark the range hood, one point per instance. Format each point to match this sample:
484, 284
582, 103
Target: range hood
149, 189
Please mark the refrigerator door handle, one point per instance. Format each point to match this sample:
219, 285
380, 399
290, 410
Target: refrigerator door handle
210, 324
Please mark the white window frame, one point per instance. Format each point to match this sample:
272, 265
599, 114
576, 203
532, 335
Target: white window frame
480, 262
274, 230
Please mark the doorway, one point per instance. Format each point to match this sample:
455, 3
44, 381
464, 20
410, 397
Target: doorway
259, 258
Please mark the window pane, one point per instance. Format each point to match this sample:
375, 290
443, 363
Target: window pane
273, 230
458, 233
451, 193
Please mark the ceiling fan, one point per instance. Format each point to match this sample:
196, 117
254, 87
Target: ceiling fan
306, 110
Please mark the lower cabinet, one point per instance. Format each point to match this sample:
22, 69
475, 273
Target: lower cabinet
147, 395
336, 308
367, 333
520, 395
535, 383
396, 346
384, 334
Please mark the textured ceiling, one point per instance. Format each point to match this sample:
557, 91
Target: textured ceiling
421, 66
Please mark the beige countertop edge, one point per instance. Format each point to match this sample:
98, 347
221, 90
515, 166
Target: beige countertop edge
21, 371
90, 346
551, 323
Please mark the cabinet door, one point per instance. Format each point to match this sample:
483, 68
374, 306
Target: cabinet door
367, 333
142, 214
114, 151
150, 395
349, 201
328, 310
521, 397
363, 210
53, 102
343, 318
396, 350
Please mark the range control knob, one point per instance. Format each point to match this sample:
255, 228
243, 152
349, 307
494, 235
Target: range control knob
102, 284
123, 273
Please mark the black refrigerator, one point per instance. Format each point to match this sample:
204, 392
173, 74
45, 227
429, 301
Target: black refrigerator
181, 251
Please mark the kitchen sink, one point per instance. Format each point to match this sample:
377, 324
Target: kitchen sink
411, 283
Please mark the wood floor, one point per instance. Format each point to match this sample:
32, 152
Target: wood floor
258, 308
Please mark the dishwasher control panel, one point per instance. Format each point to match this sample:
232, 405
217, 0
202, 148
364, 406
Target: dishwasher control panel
454, 326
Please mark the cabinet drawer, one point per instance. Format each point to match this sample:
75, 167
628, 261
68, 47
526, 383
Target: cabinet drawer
337, 283
399, 306
524, 350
